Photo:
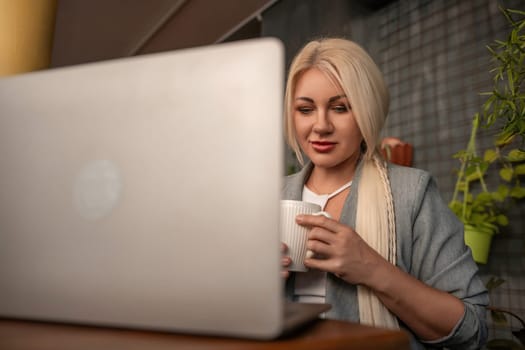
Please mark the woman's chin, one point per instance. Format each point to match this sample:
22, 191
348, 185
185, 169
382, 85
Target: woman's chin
328, 162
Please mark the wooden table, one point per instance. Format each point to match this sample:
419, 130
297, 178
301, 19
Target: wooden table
322, 334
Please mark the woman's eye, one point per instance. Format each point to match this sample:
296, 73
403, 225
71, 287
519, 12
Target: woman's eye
340, 109
305, 110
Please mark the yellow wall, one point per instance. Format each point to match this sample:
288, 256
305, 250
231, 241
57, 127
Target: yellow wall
26, 35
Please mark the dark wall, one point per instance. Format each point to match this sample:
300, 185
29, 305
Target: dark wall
296, 22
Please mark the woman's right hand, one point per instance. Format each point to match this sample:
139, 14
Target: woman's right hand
285, 261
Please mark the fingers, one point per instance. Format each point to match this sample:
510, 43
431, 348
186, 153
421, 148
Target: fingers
321, 264
285, 262
323, 228
321, 235
318, 221
284, 248
328, 265
318, 248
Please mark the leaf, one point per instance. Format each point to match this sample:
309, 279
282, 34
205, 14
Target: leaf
506, 174
478, 219
517, 192
488, 103
518, 12
503, 190
498, 197
494, 282
505, 138
489, 227
460, 154
476, 170
456, 207
502, 220
521, 124
484, 197
516, 155
490, 155
519, 169
472, 174
461, 186
499, 318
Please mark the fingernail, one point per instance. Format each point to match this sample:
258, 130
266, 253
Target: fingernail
299, 218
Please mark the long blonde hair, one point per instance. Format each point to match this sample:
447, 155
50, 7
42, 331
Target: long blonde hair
346, 64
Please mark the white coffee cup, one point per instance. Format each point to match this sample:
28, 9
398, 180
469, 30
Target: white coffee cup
294, 235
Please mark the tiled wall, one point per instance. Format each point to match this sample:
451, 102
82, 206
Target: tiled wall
435, 61
433, 56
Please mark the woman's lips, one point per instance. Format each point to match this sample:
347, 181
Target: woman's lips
322, 146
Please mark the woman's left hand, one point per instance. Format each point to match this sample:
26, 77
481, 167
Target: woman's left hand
340, 250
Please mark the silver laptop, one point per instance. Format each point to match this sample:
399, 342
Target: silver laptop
143, 193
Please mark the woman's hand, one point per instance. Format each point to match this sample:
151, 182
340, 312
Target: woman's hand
340, 250
285, 261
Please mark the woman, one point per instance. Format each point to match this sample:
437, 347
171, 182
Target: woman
393, 254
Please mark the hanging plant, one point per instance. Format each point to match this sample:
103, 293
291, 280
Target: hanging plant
482, 210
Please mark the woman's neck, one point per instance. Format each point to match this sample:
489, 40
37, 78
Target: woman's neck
327, 180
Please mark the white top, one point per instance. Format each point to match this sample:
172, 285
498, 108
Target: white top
310, 286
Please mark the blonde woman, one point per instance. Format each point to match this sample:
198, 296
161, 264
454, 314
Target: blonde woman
393, 254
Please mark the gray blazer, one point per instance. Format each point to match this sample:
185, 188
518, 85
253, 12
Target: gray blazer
430, 247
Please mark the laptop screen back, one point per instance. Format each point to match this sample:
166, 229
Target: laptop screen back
143, 192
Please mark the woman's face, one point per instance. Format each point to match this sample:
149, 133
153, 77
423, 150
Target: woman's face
325, 126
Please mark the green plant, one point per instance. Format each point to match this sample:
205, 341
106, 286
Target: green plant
507, 100
503, 112
499, 318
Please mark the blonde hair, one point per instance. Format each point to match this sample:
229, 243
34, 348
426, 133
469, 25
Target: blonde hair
346, 64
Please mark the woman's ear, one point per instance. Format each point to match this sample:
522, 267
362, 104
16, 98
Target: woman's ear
363, 147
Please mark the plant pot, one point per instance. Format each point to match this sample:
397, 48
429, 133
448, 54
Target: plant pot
479, 240
396, 151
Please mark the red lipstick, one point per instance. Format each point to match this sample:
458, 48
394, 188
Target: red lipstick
322, 146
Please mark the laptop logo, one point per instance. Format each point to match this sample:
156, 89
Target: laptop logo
97, 189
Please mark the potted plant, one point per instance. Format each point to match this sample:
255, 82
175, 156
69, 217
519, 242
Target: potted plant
482, 208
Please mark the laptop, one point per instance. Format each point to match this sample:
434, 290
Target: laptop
143, 193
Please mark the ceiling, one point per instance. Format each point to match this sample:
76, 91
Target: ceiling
94, 30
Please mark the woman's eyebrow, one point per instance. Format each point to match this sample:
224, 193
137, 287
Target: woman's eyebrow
331, 99
307, 99
335, 98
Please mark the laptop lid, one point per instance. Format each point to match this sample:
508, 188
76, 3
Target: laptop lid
143, 192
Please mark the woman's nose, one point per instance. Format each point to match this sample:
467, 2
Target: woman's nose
322, 123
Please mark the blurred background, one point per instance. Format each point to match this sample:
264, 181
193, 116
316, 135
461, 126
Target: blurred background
432, 52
